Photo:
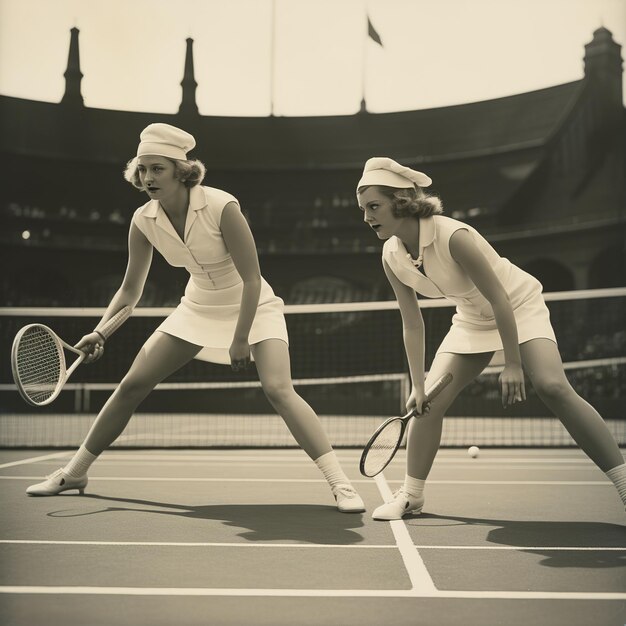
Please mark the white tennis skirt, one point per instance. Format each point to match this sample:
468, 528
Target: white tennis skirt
472, 334
208, 317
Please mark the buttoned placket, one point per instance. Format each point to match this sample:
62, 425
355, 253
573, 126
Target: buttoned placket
414, 267
200, 265
191, 218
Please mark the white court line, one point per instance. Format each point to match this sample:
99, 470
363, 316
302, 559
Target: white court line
197, 479
421, 580
398, 462
316, 593
513, 460
597, 483
192, 479
196, 544
522, 548
35, 459
227, 464
208, 544
305, 460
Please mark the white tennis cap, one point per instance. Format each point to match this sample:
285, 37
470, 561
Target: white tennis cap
387, 172
165, 140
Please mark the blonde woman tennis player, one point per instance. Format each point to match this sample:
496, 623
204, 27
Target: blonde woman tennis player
498, 307
228, 314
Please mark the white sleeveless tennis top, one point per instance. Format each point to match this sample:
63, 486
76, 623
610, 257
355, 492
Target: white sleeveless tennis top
208, 311
473, 325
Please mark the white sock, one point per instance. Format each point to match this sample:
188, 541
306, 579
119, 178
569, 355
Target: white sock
618, 476
80, 462
329, 466
414, 486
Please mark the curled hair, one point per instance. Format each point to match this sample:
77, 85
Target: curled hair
410, 202
190, 173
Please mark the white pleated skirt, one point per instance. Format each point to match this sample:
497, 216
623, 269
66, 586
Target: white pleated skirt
472, 333
208, 317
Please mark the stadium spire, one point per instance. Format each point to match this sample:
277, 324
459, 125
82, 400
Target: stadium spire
188, 103
603, 68
73, 75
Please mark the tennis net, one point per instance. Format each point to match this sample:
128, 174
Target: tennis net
347, 361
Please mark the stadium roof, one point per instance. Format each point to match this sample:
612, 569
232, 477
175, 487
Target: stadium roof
501, 125
481, 153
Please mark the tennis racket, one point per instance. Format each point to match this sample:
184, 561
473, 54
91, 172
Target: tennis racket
386, 440
38, 359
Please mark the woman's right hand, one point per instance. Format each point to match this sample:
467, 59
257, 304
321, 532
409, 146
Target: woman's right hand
92, 345
417, 401
512, 384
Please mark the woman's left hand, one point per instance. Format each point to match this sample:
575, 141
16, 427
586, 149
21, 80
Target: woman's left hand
512, 384
239, 354
92, 344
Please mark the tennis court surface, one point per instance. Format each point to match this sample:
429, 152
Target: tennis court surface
204, 512
252, 537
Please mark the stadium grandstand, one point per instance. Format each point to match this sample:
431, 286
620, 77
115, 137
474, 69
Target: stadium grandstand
204, 510
539, 173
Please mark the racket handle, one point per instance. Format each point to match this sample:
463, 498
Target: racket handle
445, 380
115, 322
79, 359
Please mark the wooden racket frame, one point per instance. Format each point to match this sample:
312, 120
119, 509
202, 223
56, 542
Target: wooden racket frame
106, 331
434, 391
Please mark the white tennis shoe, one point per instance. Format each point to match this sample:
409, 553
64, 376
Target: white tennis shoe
402, 504
348, 500
57, 483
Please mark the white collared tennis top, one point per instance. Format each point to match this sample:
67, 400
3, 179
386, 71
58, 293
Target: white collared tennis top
473, 325
208, 311
202, 251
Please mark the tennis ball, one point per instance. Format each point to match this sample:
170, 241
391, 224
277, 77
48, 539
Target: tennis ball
473, 451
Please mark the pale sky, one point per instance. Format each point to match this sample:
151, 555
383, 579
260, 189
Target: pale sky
435, 52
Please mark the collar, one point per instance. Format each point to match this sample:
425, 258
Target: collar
151, 209
427, 231
427, 236
197, 201
197, 198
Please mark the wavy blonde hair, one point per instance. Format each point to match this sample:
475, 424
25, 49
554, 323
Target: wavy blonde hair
409, 202
190, 173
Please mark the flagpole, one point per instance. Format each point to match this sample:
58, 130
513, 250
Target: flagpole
363, 108
272, 55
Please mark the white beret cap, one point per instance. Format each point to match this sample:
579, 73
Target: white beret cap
387, 172
165, 140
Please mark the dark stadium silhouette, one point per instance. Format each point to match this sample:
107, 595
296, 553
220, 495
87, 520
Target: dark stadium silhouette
541, 174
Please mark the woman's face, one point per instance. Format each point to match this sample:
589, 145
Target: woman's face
378, 213
158, 177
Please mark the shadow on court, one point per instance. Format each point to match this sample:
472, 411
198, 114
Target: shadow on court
264, 522
528, 535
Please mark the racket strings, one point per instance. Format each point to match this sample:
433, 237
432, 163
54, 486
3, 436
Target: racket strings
383, 447
39, 364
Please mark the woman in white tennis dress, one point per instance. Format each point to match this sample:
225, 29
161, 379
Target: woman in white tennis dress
228, 314
498, 307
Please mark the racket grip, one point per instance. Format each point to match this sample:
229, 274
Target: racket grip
445, 380
115, 322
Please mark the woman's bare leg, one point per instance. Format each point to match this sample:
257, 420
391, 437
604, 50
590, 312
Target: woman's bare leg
424, 435
274, 368
425, 432
160, 356
542, 362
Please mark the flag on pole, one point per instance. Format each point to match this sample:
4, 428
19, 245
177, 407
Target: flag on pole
373, 35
